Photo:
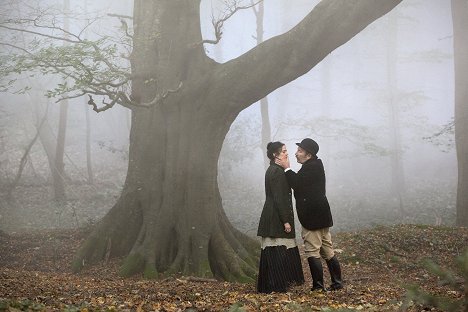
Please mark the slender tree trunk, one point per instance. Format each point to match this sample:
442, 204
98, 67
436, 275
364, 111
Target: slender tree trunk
396, 167
58, 171
326, 103
89, 162
265, 115
25, 158
169, 218
59, 167
460, 42
46, 136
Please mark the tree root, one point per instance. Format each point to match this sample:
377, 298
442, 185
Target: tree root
161, 247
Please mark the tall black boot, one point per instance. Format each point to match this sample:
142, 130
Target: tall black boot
335, 273
316, 270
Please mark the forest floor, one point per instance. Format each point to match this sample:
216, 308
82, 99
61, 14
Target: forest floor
379, 266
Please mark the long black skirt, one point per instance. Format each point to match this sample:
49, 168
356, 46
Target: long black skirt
279, 268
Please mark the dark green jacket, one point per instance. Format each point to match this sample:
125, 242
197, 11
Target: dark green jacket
277, 209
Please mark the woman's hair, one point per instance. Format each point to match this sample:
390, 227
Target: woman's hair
274, 148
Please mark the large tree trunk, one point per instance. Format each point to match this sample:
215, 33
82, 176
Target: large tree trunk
460, 40
169, 217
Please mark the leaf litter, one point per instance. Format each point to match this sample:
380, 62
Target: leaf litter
377, 265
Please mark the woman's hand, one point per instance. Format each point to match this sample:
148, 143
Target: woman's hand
287, 227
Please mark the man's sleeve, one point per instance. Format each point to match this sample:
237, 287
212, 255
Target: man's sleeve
292, 178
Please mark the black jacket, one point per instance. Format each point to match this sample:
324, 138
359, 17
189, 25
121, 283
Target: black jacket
278, 208
312, 205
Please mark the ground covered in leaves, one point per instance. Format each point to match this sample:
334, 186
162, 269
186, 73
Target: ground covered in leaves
378, 265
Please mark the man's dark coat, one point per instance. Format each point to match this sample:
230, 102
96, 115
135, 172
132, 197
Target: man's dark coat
278, 208
312, 205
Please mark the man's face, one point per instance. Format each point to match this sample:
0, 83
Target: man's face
302, 155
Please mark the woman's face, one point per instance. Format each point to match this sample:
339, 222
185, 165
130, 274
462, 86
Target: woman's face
283, 154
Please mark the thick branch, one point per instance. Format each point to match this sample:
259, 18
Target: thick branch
284, 58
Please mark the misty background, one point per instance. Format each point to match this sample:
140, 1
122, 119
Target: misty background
374, 105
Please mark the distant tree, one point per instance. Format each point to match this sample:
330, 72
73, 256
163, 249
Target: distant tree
397, 173
89, 162
58, 171
460, 42
4, 117
265, 115
169, 217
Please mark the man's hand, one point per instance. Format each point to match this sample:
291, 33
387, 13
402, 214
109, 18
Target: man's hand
287, 227
283, 162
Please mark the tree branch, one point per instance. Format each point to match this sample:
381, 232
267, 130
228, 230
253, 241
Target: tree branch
218, 24
104, 108
41, 34
160, 97
281, 59
122, 99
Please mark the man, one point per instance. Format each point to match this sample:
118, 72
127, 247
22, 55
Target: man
314, 213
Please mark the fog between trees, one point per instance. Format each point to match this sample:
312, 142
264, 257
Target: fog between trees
374, 106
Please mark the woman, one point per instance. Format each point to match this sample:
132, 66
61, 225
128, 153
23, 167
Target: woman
280, 263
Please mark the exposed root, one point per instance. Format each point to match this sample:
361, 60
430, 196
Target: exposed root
133, 264
120, 226
229, 259
156, 246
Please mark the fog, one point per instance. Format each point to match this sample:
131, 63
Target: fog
374, 105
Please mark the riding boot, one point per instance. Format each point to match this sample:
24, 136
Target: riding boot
316, 270
335, 273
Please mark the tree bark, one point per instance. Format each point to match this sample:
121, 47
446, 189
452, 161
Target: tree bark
169, 218
460, 43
